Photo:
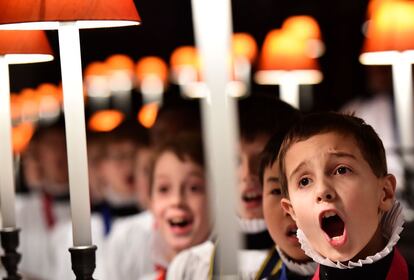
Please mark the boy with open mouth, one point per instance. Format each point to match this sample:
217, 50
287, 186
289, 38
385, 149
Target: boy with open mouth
286, 261
337, 189
260, 117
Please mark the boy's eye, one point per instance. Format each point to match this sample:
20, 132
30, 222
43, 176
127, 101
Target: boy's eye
196, 188
304, 182
275, 191
162, 189
341, 170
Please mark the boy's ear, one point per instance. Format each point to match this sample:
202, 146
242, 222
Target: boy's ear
388, 192
287, 207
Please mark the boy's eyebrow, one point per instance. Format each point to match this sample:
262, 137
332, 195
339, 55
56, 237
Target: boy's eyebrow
335, 154
272, 179
297, 169
342, 154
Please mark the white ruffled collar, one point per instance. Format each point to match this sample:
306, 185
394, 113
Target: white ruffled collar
303, 269
391, 228
252, 225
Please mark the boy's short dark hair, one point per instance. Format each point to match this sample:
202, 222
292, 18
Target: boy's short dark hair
270, 153
127, 131
186, 146
262, 115
368, 142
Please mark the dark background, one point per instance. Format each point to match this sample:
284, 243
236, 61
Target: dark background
168, 24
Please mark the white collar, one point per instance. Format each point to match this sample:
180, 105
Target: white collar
252, 225
160, 249
303, 269
391, 226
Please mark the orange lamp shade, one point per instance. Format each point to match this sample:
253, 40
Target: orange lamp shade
21, 135
22, 46
151, 66
391, 27
185, 64
30, 104
49, 98
96, 69
15, 107
105, 121
304, 27
185, 56
87, 13
244, 45
283, 51
148, 114
120, 62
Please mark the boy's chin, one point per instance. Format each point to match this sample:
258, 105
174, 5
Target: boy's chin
338, 256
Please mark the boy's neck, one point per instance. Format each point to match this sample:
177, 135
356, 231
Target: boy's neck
375, 245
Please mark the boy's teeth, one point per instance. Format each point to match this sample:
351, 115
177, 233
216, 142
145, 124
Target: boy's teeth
177, 220
336, 237
329, 214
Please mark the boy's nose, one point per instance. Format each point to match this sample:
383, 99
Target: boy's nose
325, 193
178, 198
248, 170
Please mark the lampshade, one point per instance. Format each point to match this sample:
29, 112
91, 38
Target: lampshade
390, 30
45, 14
105, 120
22, 46
151, 75
97, 80
306, 28
120, 72
96, 69
21, 135
283, 52
302, 26
185, 65
30, 104
244, 45
151, 66
49, 101
120, 62
15, 107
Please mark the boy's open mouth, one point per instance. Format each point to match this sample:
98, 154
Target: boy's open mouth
179, 222
180, 225
252, 197
334, 227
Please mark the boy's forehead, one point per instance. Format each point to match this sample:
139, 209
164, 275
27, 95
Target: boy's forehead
324, 144
258, 142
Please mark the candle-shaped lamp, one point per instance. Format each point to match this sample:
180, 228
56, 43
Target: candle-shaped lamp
243, 56
151, 75
286, 60
390, 41
185, 72
121, 81
49, 102
97, 86
15, 47
68, 16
